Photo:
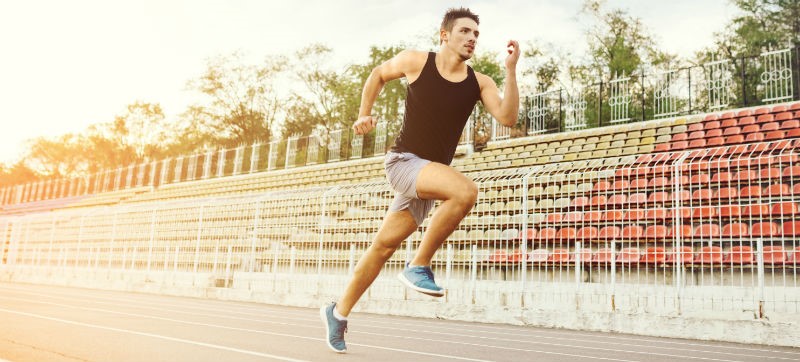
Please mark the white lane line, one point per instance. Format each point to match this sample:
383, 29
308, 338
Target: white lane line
508, 338
377, 334
216, 326
157, 336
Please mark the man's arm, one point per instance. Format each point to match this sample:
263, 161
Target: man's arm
505, 109
404, 64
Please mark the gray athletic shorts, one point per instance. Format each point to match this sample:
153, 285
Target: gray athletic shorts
402, 169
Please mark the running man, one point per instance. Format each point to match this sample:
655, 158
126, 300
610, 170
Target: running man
442, 92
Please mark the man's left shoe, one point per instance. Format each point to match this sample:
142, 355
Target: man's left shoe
420, 278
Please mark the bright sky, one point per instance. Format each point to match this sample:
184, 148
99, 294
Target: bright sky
68, 64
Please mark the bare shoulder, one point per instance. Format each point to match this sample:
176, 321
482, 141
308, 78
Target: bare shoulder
484, 80
409, 63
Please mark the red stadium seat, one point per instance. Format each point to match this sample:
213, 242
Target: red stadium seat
747, 120
709, 255
761, 110
655, 232
756, 210
765, 118
735, 230
617, 200
628, 255
695, 127
755, 137
730, 131
498, 256
684, 230
657, 214
697, 143
714, 133
793, 171
637, 198
609, 232
592, 216
794, 106
750, 191
659, 197
531, 234
621, 185
516, 256
602, 255
771, 126
702, 195
547, 234
791, 228
711, 117
639, 183
632, 232
722, 177
730, 211
539, 256
705, 212
700, 179
779, 108
774, 254
613, 215
661, 147
777, 190
764, 229
680, 137
711, 125
784, 208
554, 218
719, 141
796, 189
601, 186
585, 256
750, 128
559, 256
727, 193
587, 232
683, 254
567, 233
727, 115
783, 116
573, 217
693, 136
679, 145
775, 135
707, 230
770, 173
635, 215
580, 201
794, 257
598, 200
790, 124
645, 158
654, 255
740, 254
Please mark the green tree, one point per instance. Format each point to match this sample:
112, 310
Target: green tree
243, 99
488, 64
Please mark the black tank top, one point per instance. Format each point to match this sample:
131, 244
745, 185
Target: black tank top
436, 112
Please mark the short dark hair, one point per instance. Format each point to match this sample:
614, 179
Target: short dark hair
452, 14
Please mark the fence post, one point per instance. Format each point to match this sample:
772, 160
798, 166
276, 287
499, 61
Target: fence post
677, 220
197, 242
152, 239
613, 274
760, 256
254, 236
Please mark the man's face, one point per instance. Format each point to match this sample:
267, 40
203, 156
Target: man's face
463, 38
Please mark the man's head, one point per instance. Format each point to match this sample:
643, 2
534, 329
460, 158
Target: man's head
459, 31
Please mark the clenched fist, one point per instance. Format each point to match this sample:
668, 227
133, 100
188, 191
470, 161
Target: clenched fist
364, 124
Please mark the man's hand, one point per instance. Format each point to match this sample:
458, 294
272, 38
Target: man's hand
513, 55
364, 124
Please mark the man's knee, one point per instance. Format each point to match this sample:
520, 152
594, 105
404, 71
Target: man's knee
384, 249
467, 194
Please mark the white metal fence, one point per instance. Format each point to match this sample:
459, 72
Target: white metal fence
714, 229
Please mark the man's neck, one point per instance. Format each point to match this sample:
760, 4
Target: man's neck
449, 61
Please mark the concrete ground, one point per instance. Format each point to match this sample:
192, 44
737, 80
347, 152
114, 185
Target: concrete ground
46, 323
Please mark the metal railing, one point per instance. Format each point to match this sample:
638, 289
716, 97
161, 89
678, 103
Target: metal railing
712, 229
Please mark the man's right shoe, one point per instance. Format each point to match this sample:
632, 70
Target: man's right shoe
334, 329
420, 278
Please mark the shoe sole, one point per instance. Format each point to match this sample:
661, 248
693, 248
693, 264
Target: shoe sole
410, 285
324, 317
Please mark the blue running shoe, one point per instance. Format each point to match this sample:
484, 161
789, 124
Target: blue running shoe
420, 278
334, 329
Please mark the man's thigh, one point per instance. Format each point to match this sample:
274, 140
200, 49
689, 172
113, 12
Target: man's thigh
437, 181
